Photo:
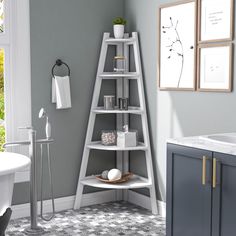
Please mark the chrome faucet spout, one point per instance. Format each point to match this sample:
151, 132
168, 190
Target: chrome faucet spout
16, 143
26, 142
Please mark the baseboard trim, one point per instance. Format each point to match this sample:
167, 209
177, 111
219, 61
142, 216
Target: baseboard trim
145, 202
65, 203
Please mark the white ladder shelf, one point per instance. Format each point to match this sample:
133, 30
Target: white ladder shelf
122, 90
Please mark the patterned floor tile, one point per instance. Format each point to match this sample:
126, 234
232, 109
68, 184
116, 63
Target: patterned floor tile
109, 219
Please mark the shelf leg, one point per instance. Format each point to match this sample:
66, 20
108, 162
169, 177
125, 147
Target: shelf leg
91, 123
145, 129
79, 195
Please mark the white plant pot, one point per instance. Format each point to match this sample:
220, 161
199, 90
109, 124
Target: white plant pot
119, 31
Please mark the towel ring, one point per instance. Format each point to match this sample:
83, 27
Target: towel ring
60, 63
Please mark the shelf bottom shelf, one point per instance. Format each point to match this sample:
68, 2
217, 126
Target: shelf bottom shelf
133, 183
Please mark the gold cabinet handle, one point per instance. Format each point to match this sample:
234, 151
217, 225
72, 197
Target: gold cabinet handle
204, 159
214, 173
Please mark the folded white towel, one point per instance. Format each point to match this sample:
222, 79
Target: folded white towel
61, 92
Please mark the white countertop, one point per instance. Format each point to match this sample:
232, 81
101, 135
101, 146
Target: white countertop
201, 143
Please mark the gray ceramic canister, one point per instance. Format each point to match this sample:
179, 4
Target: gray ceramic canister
109, 102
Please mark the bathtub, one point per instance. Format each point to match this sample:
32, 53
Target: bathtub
10, 163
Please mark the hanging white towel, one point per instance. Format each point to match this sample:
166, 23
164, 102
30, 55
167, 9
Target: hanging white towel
54, 99
61, 92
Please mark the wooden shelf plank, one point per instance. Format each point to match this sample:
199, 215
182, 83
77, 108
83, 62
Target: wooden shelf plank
131, 110
117, 41
98, 146
114, 75
134, 182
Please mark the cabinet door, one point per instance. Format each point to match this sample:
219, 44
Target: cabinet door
224, 196
188, 200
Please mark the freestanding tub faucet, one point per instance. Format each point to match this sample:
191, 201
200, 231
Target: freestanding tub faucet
43, 114
33, 229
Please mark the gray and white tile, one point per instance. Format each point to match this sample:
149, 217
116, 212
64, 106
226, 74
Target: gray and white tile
109, 219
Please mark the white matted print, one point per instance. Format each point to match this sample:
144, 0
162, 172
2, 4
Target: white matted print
215, 20
177, 42
215, 67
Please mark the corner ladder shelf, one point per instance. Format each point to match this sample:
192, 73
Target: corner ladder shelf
122, 117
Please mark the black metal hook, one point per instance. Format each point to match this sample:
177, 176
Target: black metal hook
59, 62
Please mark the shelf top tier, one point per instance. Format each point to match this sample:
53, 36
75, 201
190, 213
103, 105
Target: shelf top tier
98, 146
134, 182
123, 40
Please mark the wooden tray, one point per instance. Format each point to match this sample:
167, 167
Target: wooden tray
123, 179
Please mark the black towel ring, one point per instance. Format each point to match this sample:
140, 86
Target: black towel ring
60, 63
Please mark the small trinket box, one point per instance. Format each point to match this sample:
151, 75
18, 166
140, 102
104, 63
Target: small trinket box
127, 138
108, 137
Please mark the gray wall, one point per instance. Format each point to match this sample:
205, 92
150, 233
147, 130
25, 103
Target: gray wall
173, 114
71, 30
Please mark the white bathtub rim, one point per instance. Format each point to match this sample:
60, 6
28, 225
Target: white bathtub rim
12, 162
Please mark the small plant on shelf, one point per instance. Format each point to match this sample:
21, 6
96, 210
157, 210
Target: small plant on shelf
119, 27
119, 21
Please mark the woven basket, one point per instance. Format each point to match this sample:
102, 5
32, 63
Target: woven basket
123, 179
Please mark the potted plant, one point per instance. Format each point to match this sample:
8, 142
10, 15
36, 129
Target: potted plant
119, 27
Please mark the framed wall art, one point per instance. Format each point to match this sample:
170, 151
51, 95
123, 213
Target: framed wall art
177, 46
215, 20
215, 67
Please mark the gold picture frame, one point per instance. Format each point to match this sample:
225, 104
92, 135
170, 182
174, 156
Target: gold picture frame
213, 17
160, 27
212, 74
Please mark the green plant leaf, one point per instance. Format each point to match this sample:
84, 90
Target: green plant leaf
119, 21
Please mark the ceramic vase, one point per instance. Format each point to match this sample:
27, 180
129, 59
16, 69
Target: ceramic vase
119, 31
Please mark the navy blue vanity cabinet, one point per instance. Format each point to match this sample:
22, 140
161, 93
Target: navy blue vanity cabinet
189, 192
224, 195
201, 192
